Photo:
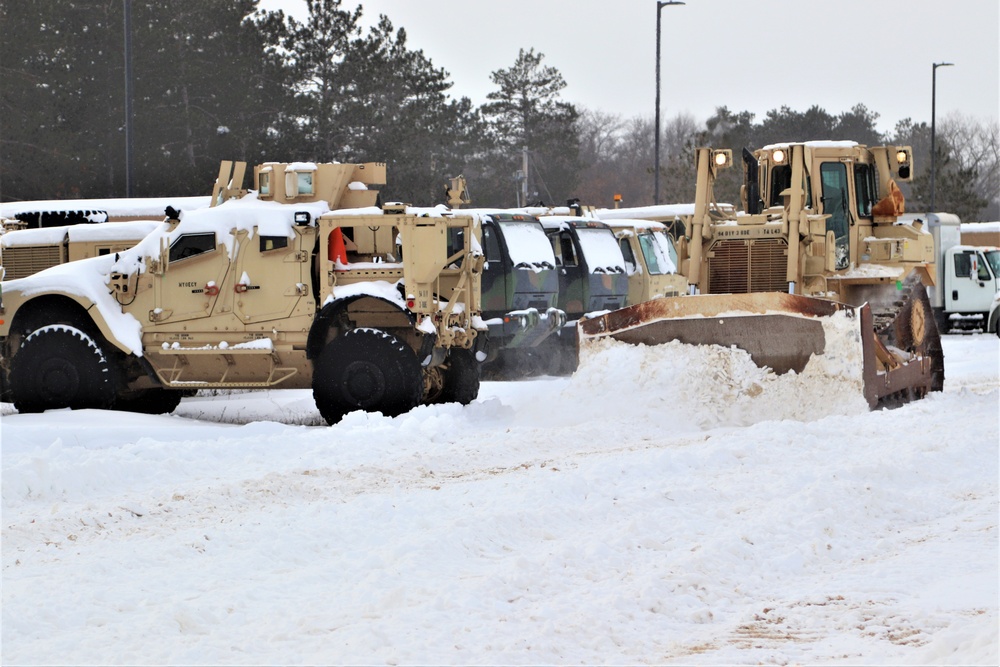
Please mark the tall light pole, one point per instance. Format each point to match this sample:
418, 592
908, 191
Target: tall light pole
933, 105
660, 4
127, 6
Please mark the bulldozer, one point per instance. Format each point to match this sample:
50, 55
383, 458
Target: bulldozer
820, 233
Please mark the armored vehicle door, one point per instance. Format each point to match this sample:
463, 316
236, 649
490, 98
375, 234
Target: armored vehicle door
496, 294
190, 287
270, 279
572, 274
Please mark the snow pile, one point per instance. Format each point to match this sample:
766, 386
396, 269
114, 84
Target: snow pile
707, 386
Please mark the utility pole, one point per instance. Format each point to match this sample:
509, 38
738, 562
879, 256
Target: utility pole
128, 98
933, 105
660, 4
524, 175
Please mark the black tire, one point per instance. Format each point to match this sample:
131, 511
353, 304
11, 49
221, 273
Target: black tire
942, 320
366, 369
157, 401
461, 378
60, 366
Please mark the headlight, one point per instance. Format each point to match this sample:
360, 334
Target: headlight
722, 158
778, 156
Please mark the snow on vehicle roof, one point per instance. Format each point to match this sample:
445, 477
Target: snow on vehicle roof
823, 143
980, 227
634, 223
112, 231
659, 212
151, 207
102, 231
365, 210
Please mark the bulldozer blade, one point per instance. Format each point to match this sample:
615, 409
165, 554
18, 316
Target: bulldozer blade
890, 381
779, 331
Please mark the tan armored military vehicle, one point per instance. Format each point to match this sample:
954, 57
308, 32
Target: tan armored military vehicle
821, 232
270, 289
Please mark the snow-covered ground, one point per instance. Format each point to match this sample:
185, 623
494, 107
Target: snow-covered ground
667, 505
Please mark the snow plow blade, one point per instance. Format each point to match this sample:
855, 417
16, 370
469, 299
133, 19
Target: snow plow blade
779, 331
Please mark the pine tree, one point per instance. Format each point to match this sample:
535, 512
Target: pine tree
315, 51
394, 104
61, 99
205, 91
526, 111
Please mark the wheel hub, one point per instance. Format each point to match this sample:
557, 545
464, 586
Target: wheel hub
364, 383
59, 379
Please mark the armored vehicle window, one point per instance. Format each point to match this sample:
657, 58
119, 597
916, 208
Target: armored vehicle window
833, 176
647, 243
865, 188
189, 245
657, 257
265, 184
667, 244
273, 243
781, 179
565, 252
627, 254
304, 183
491, 247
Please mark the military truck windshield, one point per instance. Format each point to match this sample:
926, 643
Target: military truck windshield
668, 243
601, 250
655, 248
528, 245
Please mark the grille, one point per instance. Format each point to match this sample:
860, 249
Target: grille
741, 266
25, 261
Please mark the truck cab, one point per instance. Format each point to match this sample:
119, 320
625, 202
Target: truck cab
592, 279
967, 275
520, 290
971, 279
651, 259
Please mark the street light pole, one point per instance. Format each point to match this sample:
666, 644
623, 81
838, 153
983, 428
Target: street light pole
660, 4
127, 6
933, 105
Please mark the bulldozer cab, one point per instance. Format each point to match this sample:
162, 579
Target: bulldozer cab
852, 185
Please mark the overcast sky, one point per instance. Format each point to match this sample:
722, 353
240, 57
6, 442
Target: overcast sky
747, 55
